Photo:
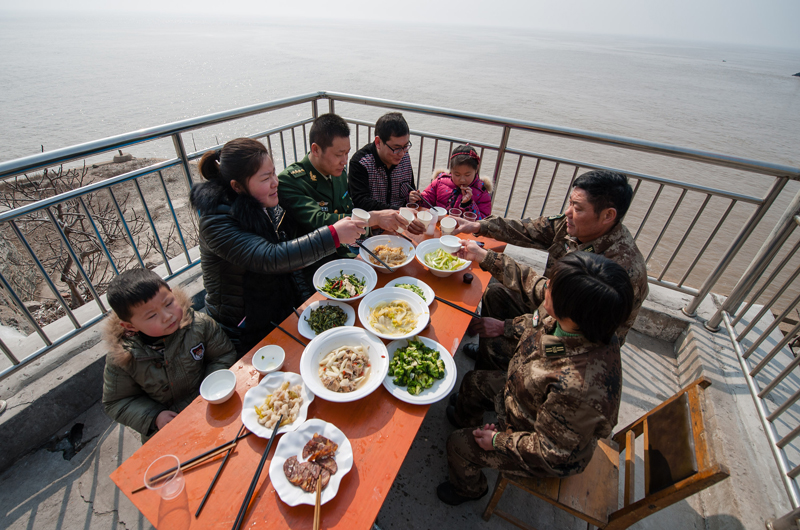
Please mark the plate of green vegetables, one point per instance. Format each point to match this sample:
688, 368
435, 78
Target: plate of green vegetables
322, 315
414, 285
421, 371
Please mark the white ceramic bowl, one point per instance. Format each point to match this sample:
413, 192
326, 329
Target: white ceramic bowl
389, 294
440, 389
218, 386
429, 295
429, 246
451, 244
389, 240
334, 338
347, 266
306, 331
268, 359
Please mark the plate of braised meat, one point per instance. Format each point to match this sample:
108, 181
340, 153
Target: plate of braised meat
316, 449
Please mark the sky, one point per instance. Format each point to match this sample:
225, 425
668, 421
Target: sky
750, 22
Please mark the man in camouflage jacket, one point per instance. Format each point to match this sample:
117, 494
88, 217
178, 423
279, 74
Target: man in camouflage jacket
583, 227
561, 393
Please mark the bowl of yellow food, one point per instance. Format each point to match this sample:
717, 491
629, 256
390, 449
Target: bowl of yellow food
438, 260
395, 251
393, 313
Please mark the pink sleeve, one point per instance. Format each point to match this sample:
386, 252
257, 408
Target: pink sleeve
429, 193
483, 205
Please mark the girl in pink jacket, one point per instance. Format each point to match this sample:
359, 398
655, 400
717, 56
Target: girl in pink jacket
461, 187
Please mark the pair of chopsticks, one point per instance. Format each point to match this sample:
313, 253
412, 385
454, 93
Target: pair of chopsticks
197, 460
237, 524
219, 471
412, 188
317, 506
303, 344
463, 310
388, 268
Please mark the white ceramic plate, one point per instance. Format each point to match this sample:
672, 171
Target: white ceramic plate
389, 240
430, 245
292, 445
306, 331
256, 396
334, 338
347, 266
389, 294
440, 389
414, 281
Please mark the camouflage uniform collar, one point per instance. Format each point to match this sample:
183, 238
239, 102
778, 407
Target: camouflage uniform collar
552, 346
602, 243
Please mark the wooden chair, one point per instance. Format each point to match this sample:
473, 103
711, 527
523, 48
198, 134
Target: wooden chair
678, 462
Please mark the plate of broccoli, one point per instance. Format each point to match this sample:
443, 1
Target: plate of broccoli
421, 371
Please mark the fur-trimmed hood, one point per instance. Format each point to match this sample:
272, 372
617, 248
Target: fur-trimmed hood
487, 182
115, 335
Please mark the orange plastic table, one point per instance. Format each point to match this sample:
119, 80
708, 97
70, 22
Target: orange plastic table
380, 428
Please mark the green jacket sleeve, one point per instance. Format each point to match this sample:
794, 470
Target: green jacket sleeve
220, 353
302, 207
124, 401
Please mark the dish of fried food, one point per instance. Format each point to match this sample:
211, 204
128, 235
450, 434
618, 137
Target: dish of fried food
389, 255
319, 455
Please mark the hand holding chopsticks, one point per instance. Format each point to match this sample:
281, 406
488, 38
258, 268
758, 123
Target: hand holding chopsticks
237, 524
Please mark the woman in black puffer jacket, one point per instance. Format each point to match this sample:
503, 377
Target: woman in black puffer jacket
247, 247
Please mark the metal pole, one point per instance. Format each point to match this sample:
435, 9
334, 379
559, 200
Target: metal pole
780, 232
180, 150
501, 152
738, 242
790, 521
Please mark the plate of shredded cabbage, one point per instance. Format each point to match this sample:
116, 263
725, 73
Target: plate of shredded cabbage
393, 313
441, 263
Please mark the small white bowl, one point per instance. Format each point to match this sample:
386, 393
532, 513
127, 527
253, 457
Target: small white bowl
451, 244
389, 294
348, 266
391, 241
440, 212
268, 359
218, 386
448, 224
430, 245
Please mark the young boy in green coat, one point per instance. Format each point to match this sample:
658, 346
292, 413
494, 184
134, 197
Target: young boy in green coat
160, 351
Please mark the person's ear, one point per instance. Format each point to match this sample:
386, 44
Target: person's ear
378, 142
316, 150
609, 216
128, 326
238, 188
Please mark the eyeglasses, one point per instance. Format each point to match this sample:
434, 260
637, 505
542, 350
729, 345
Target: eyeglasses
398, 150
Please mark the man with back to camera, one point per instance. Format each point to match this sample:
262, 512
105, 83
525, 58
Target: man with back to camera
314, 191
380, 173
592, 223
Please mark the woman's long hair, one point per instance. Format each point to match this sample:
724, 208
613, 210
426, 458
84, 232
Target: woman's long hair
238, 160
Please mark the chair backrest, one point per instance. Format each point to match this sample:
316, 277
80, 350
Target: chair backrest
679, 461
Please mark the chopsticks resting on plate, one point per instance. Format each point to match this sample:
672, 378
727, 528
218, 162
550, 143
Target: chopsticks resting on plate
219, 471
199, 459
303, 344
246, 504
317, 507
463, 310
388, 268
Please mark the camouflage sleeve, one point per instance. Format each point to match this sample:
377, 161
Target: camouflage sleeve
519, 278
530, 233
565, 424
125, 402
220, 353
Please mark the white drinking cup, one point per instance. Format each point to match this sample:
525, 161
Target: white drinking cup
448, 225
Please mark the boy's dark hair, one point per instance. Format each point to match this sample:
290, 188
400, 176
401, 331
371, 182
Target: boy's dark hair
606, 189
465, 155
132, 288
327, 127
238, 160
391, 124
593, 291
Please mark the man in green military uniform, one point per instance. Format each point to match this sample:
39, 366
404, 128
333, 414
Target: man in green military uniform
563, 386
314, 191
592, 223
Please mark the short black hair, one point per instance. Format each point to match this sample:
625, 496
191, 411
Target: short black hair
594, 292
327, 127
391, 124
131, 288
606, 189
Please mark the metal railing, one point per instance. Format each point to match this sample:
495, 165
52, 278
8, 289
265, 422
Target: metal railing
551, 179
768, 365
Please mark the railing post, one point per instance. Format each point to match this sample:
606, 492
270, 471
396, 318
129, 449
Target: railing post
314, 109
501, 153
790, 521
331, 107
736, 245
180, 150
777, 237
